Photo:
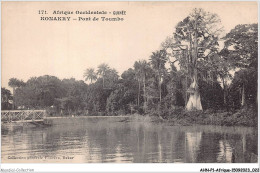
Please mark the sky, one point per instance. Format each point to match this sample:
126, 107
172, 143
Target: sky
31, 47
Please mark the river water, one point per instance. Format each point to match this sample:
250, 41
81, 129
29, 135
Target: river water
98, 140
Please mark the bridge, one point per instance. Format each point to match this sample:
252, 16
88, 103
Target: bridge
24, 116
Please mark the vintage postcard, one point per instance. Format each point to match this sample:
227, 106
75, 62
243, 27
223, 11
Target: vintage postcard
130, 82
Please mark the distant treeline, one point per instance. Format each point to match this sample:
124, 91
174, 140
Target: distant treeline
189, 68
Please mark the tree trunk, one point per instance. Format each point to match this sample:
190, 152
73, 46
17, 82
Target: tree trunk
145, 103
103, 82
160, 88
194, 102
13, 98
243, 100
186, 87
186, 81
224, 89
138, 98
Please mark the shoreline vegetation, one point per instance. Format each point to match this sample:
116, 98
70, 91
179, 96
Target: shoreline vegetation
190, 80
241, 118
246, 117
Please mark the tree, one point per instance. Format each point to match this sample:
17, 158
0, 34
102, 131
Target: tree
15, 83
112, 76
73, 97
243, 89
158, 60
241, 43
241, 47
96, 97
90, 74
223, 68
39, 92
142, 69
174, 82
114, 101
197, 32
5, 98
138, 76
102, 71
131, 85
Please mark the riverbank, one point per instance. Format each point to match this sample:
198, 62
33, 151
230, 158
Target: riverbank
177, 117
243, 117
67, 121
75, 120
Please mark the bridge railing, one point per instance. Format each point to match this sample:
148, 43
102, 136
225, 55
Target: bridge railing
22, 115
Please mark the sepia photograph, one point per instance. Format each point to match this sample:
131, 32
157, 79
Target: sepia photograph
130, 82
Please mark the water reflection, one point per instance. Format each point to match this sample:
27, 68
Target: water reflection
193, 140
225, 152
138, 142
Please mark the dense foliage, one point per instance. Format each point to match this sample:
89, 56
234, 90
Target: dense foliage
226, 78
6, 97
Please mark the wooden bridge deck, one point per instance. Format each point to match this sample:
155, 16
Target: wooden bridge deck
23, 116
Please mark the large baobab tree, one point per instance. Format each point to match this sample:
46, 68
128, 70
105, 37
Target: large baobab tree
198, 31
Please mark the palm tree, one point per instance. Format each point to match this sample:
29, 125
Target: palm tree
158, 60
90, 74
15, 83
138, 76
142, 69
102, 70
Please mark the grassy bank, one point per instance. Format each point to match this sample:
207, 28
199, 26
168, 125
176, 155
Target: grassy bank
244, 117
178, 116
